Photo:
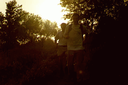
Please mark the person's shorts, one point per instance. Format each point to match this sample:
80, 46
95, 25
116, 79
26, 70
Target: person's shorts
61, 50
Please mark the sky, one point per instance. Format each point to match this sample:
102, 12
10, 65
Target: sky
47, 9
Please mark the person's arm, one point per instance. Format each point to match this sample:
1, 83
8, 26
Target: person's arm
56, 38
66, 35
55, 41
86, 30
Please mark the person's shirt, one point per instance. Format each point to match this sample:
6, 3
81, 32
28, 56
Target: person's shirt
62, 41
74, 37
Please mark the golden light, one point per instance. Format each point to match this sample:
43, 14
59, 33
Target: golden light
49, 9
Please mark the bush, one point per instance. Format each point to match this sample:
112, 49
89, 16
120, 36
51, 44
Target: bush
28, 62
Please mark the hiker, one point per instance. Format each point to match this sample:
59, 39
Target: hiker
75, 50
61, 49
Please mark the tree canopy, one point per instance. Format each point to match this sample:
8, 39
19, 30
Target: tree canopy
94, 10
18, 25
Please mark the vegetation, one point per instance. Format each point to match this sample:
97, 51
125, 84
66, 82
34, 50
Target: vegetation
105, 46
26, 50
19, 25
28, 55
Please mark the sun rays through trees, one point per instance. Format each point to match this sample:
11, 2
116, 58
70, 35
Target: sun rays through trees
28, 54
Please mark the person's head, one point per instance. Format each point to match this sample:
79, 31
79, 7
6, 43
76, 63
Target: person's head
75, 18
63, 26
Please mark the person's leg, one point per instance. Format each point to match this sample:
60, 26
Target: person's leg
60, 55
79, 64
85, 63
64, 62
70, 63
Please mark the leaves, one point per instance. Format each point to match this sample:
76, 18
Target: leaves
93, 9
28, 62
18, 26
49, 28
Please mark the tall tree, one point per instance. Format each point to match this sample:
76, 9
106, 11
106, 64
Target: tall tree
13, 18
1, 19
1, 26
19, 26
30, 28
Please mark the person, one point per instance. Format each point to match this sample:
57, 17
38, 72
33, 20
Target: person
75, 49
61, 49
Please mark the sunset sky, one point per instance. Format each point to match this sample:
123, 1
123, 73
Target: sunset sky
47, 9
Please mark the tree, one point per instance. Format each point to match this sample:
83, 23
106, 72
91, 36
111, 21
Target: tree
30, 28
12, 18
49, 28
1, 26
90, 10
33, 28
1, 19
1, 23
19, 26
107, 47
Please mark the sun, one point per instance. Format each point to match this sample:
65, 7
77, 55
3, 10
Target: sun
49, 9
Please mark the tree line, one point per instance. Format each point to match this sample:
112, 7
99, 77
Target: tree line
18, 26
27, 54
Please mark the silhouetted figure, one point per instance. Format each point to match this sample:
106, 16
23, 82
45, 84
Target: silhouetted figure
74, 34
61, 49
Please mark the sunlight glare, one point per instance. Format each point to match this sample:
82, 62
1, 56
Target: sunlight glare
49, 9
53, 38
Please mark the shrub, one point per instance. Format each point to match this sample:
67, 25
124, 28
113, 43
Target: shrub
28, 62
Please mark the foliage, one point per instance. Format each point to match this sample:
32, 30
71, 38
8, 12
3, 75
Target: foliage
49, 28
19, 26
13, 16
106, 46
28, 62
93, 10
1, 19
23, 64
1, 26
31, 26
